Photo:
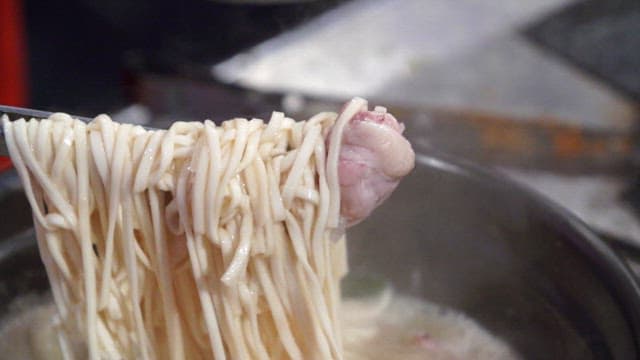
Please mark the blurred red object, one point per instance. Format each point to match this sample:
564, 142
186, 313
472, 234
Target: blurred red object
13, 62
5, 163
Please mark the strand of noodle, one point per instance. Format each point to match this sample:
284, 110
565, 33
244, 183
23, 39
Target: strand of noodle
140, 140
238, 265
147, 160
231, 309
333, 287
153, 320
276, 350
293, 288
35, 198
205, 299
63, 340
125, 326
32, 133
296, 136
228, 132
42, 144
316, 296
63, 147
251, 148
226, 243
98, 152
108, 342
172, 218
218, 304
302, 158
251, 187
255, 340
172, 321
72, 252
145, 226
307, 194
213, 147
245, 327
198, 203
114, 200
235, 197
277, 261
273, 126
19, 126
98, 187
324, 350
166, 155
130, 260
52, 242
332, 299
308, 214
129, 244
115, 307
52, 273
260, 173
182, 151
273, 177
335, 143
234, 340
58, 129
70, 179
200, 173
231, 166
140, 254
108, 130
318, 239
319, 242
118, 333
282, 144
188, 300
323, 117
280, 321
258, 245
84, 231
207, 306
288, 159
258, 205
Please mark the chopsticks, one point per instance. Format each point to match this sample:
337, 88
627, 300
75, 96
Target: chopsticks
15, 113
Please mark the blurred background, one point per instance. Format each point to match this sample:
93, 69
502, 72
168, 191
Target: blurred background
544, 91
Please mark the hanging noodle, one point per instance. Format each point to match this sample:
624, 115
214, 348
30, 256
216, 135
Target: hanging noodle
196, 242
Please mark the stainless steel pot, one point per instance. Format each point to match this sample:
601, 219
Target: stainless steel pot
518, 264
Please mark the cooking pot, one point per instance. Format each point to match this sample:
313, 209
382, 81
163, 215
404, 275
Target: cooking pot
520, 265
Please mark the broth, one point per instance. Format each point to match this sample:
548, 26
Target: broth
386, 326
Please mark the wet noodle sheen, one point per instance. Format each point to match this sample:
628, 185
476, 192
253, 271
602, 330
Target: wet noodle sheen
196, 242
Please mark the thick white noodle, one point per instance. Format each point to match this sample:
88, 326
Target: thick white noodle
351, 109
195, 242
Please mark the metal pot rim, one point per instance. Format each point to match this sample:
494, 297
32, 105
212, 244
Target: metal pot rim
617, 276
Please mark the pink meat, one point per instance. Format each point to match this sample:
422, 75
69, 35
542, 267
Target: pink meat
374, 156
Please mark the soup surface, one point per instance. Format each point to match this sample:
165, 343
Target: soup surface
386, 326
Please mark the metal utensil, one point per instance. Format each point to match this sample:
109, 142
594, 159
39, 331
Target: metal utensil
14, 113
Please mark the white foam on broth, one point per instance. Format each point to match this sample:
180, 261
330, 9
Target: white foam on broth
387, 326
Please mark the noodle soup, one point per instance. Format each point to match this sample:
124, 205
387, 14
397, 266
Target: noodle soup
384, 326
208, 241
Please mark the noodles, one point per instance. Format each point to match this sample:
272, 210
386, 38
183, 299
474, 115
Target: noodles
196, 242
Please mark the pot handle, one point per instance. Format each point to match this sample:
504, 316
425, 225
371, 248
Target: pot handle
626, 250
